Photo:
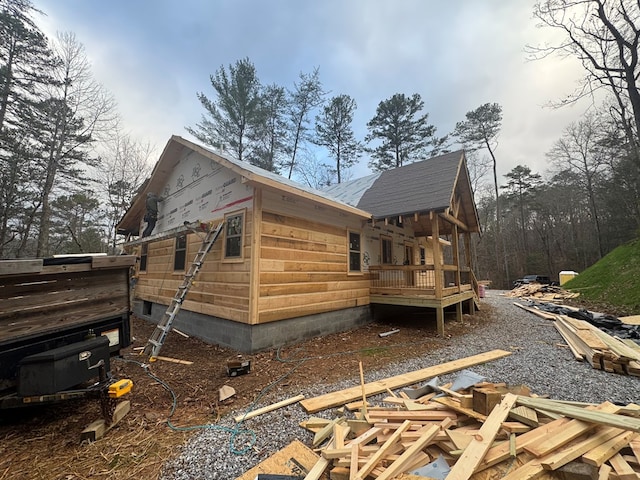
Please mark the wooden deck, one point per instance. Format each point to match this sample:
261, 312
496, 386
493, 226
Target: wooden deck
421, 286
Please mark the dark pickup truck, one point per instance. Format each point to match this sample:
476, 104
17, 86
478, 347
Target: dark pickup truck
544, 280
61, 321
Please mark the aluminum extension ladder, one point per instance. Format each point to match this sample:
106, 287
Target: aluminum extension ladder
159, 335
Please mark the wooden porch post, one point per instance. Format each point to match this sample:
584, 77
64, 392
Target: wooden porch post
437, 271
467, 255
456, 261
456, 254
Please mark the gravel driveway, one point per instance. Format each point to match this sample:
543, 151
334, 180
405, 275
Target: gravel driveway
537, 361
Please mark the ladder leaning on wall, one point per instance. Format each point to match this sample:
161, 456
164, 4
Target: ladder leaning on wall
159, 335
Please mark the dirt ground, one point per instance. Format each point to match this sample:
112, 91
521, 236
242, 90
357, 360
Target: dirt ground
44, 443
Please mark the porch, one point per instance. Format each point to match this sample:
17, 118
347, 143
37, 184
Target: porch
427, 286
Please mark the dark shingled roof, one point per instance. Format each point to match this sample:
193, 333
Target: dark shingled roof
416, 187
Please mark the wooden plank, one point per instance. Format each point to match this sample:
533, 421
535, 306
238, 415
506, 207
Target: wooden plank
415, 415
326, 431
341, 397
268, 408
319, 467
362, 473
456, 406
501, 452
96, 430
477, 449
622, 468
526, 415
635, 448
557, 459
399, 465
572, 430
604, 471
113, 261
608, 449
592, 416
20, 267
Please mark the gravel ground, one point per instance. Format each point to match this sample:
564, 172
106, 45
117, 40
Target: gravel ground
537, 361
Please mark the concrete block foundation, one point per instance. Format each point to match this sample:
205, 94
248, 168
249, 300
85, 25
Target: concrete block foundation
253, 338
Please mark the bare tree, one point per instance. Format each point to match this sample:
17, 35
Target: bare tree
580, 151
73, 114
605, 36
123, 168
306, 96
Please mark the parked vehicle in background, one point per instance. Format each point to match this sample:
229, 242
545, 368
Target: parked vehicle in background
542, 279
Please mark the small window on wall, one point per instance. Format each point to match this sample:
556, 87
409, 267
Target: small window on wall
144, 252
234, 226
180, 255
387, 250
354, 252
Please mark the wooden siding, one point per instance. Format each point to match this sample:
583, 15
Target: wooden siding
304, 269
221, 288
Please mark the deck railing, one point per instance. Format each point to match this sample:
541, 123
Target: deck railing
419, 279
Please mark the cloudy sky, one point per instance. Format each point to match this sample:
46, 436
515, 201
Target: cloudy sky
155, 55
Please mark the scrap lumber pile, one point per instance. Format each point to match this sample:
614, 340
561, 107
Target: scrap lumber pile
541, 292
589, 343
482, 432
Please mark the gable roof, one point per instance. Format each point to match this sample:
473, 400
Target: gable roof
432, 185
174, 152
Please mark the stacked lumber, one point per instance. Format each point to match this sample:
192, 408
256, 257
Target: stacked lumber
487, 431
588, 343
600, 349
541, 292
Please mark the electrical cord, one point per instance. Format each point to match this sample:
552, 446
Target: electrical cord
234, 433
239, 429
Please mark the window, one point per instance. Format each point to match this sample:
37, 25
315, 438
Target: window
144, 251
387, 250
180, 255
234, 225
354, 252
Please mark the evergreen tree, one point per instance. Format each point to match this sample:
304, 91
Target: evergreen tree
521, 186
334, 132
233, 117
271, 129
404, 132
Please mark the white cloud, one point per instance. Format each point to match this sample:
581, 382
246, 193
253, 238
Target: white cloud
155, 56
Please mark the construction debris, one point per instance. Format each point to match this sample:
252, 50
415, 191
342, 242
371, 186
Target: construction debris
225, 392
268, 408
541, 292
518, 438
342, 397
390, 332
295, 459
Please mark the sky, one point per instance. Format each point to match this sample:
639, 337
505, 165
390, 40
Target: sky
154, 56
